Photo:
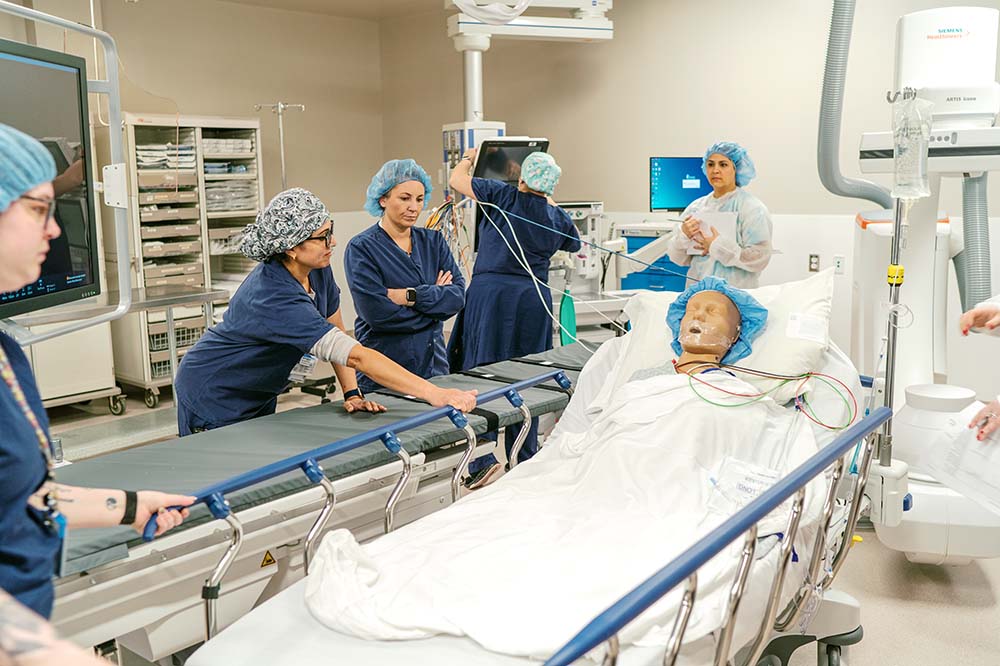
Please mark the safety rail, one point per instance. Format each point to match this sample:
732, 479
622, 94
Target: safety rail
308, 462
605, 627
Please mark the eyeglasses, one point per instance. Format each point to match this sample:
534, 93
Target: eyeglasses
50, 206
326, 237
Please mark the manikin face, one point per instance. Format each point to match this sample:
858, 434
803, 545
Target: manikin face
710, 325
403, 203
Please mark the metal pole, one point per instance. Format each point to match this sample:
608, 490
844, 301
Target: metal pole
473, 68
281, 143
279, 108
895, 281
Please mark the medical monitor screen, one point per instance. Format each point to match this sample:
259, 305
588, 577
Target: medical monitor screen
45, 96
674, 182
501, 159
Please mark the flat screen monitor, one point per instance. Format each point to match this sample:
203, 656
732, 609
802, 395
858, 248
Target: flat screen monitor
500, 159
674, 182
45, 96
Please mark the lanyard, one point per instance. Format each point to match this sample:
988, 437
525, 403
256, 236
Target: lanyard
53, 519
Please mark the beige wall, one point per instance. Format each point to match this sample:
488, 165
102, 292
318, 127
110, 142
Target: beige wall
219, 58
678, 75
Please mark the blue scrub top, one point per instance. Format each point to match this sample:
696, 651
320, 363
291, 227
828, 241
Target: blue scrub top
411, 336
237, 369
504, 315
539, 245
28, 549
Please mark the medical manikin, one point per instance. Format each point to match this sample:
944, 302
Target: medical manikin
710, 326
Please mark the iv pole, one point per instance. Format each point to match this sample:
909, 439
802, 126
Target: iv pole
280, 108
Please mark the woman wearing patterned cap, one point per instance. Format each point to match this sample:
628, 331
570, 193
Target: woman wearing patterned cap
286, 313
35, 510
403, 278
506, 312
738, 260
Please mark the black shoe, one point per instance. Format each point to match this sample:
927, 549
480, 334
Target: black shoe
483, 477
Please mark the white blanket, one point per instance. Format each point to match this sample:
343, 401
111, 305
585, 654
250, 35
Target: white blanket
522, 565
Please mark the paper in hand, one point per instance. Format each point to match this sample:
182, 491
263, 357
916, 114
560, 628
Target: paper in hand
964, 464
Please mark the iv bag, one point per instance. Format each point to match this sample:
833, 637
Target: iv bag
911, 129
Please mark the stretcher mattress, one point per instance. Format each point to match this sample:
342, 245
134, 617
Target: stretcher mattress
187, 464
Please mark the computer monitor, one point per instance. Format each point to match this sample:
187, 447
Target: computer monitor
674, 182
45, 96
501, 159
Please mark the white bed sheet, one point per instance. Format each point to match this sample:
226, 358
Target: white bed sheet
252, 639
282, 632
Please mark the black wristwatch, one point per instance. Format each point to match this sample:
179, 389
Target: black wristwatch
353, 393
411, 295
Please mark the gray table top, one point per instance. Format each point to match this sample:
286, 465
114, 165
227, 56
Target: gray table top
148, 298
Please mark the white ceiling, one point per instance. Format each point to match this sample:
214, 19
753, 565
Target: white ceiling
363, 9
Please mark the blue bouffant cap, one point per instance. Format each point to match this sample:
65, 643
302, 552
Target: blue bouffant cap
24, 165
389, 176
745, 170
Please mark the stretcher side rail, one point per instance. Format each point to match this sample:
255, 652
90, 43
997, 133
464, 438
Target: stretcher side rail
605, 627
214, 496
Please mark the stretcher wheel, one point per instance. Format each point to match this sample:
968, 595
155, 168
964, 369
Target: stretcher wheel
117, 404
833, 655
151, 399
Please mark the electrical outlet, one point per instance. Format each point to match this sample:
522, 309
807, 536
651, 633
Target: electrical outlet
838, 264
813, 263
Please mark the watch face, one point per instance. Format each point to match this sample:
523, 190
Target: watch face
411, 295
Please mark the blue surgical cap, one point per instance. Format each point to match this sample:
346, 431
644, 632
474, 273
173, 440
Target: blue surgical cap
540, 172
389, 176
753, 316
745, 170
24, 165
290, 218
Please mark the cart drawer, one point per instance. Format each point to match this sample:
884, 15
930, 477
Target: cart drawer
161, 356
161, 327
148, 231
169, 214
165, 178
168, 270
195, 280
171, 249
169, 196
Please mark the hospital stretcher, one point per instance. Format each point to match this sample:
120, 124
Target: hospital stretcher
394, 468
282, 631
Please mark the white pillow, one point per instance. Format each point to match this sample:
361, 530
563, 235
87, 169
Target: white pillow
792, 343
797, 332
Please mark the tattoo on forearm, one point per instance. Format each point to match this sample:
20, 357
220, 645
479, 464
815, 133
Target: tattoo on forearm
111, 503
21, 631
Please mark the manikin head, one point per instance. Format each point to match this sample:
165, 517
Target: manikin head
710, 326
715, 321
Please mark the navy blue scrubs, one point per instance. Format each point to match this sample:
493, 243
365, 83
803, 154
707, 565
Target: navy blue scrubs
413, 336
504, 317
28, 549
237, 369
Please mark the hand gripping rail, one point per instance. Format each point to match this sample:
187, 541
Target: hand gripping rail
605, 627
214, 496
